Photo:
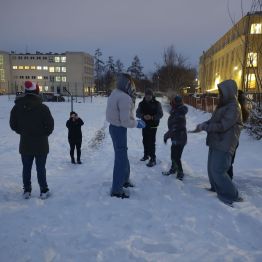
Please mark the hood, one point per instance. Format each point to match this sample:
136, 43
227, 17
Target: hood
28, 102
228, 88
127, 85
181, 109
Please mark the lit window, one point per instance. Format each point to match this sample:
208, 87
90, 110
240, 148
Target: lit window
57, 59
63, 78
45, 67
57, 78
63, 59
40, 88
39, 77
39, 67
14, 67
57, 69
252, 59
63, 69
20, 67
46, 88
27, 67
2, 75
51, 69
256, 29
251, 81
33, 67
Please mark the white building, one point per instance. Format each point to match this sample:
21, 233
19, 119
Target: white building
52, 71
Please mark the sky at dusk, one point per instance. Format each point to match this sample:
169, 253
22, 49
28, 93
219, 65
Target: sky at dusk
120, 28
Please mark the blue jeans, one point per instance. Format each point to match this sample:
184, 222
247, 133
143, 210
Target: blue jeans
121, 165
40, 162
218, 165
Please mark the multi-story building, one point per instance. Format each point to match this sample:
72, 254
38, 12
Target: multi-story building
53, 72
237, 55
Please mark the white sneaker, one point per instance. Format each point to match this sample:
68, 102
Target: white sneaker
27, 195
45, 195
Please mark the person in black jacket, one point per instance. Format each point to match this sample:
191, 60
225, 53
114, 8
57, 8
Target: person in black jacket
75, 136
178, 134
242, 100
33, 121
149, 110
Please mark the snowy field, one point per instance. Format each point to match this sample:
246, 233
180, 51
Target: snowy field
164, 219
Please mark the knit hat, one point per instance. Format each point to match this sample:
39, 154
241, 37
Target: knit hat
149, 92
31, 87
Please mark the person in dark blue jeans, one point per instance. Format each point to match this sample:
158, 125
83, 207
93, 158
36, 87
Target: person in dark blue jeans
32, 120
120, 115
121, 170
40, 162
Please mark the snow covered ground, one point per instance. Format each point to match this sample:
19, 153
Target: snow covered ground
164, 219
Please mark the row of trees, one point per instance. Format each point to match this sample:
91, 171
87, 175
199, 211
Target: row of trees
173, 75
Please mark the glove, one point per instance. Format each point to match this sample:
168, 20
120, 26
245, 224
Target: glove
166, 136
141, 124
202, 126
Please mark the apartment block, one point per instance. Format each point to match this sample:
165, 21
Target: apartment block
54, 72
236, 55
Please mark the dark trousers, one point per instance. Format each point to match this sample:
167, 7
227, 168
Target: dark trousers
75, 144
176, 153
121, 170
40, 162
149, 141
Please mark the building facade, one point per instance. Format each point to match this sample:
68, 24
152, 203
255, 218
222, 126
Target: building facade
72, 71
237, 55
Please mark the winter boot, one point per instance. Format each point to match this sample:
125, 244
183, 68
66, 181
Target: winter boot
45, 194
27, 195
79, 162
128, 184
73, 160
120, 195
180, 175
144, 158
152, 162
170, 172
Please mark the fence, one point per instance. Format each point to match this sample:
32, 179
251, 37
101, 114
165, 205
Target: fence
206, 103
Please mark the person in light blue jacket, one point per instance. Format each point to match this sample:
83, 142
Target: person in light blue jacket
120, 115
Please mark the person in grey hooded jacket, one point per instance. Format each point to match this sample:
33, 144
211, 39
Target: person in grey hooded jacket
120, 115
223, 131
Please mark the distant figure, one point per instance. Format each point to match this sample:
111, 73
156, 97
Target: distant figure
33, 121
178, 134
245, 114
74, 124
223, 131
120, 115
149, 110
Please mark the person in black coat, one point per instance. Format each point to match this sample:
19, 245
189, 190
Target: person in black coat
33, 121
149, 110
242, 100
178, 134
74, 124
